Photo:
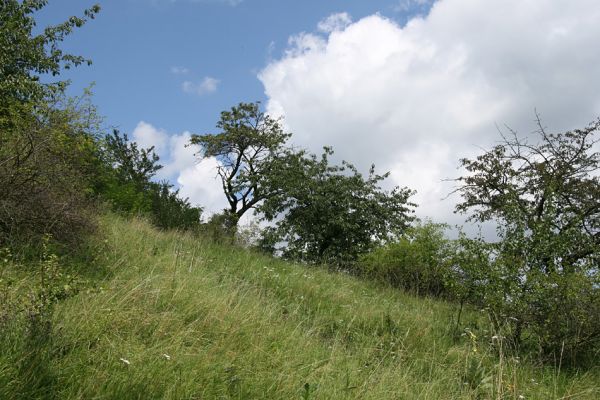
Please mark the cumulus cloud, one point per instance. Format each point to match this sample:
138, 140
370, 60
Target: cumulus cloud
206, 86
146, 136
416, 98
195, 179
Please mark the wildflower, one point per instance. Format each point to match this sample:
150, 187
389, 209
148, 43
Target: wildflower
521, 396
124, 361
166, 356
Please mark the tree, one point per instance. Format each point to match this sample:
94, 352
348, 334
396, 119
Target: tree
131, 163
25, 57
127, 184
545, 198
246, 148
331, 214
128, 170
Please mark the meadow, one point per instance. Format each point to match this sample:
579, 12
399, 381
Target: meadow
150, 314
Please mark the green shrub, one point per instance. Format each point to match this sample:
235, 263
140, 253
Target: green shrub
419, 261
45, 172
45, 140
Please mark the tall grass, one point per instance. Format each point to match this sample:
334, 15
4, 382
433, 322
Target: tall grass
178, 317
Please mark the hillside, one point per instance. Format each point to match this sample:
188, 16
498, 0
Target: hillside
168, 315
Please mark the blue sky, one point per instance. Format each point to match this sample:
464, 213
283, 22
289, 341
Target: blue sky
411, 85
136, 45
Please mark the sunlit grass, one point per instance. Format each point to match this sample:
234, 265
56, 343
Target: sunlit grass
181, 318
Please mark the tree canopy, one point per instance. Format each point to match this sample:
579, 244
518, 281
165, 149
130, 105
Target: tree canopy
331, 214
246, 149
545, 198
24, 57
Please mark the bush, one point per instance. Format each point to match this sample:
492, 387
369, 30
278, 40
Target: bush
45, 142
418, 262
45, 173
126, 183
169, 211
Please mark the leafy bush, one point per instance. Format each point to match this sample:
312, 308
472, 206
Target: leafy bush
419, 261
45, 144
126, 183
169, 211
45, 172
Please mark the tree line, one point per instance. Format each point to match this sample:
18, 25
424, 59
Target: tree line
538, 282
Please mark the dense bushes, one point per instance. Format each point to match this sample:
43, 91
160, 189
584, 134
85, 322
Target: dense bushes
45, 172
44, 144
553, 314
126, 183
419, 261
55, 162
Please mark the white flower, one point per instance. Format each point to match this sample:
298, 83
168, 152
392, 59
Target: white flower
126, 362
166, 356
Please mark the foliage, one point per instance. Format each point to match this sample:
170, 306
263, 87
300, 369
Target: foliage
127, 184
247, 147
331, 214
420, 261
543, 273
128, 174
25, 57
170, 211
46, 140
46, 166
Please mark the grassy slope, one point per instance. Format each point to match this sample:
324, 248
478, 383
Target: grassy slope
198, 320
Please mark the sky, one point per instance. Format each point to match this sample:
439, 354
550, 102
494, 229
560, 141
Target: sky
410, 85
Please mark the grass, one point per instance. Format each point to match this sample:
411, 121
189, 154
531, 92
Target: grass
172, 316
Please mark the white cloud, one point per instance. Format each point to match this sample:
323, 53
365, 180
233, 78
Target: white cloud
179, 70
147, 136
416, 98
206, 86
335, 22
199, 182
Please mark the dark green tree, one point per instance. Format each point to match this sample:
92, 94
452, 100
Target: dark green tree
331, 214
131, 163
246, 148
542, 275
